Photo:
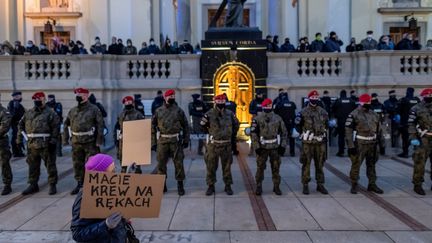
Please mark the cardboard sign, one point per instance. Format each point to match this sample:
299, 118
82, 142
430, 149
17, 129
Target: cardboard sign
136, 142
133, 195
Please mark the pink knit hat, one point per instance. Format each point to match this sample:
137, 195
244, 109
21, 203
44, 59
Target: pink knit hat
99, 162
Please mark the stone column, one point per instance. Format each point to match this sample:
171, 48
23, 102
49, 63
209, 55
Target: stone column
168, 19
264, 17
339, 18
275, 17
289, 22
183, 21
155, 20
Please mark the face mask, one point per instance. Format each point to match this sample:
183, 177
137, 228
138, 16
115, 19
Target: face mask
128, 107
80, 47
369, 36
427, 100
367, 106
129, 45
152, 43
37, 103
318, 38
313, 102
267, 110
220, 106
79, 99
19, 100
29, 45
171, 101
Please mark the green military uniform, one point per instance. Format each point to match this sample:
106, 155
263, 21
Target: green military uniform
222, 127
5, 154
126, 115
362, 130
41, 128
85, 124
312, 124
420, 127
170, 132
269, 139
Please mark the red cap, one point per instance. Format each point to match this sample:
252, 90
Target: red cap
127, 99
313, 95
38, 95
81, 91
169, 92
266, 103
365, 99
426, 92
220, 99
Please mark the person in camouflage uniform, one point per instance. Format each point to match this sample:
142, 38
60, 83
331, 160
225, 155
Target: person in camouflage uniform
362, 133
170, 135
84, 126
5, 154
269, 139
197, 109
129, 113
222, 127
40, 127
420, 131
312, 124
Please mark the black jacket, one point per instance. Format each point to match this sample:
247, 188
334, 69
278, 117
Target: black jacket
157, 102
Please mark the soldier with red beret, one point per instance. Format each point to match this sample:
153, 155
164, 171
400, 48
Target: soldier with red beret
40, 127
269, 139
362, 133
170, 135
312, 124
84, 126
5, 154
420, 131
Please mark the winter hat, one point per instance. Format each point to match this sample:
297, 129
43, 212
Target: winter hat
99, 162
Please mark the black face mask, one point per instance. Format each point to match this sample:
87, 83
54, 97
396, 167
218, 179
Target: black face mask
220, 106
267, 110
367, 106
171, 101
313, 102
38, 103
392, 97
427, 100
129, 107
79, 99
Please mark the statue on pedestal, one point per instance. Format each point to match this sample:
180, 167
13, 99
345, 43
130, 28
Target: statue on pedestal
234, 17
58, 3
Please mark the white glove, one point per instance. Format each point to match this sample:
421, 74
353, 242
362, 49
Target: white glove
113, 220
294, 133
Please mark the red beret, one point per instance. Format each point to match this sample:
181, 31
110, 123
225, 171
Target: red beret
127, 99
169, 92
220, 98
267, 103
365, 99
314, 95
81, 91
38, 95
426, 92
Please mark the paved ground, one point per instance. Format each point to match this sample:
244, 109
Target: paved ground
397, 216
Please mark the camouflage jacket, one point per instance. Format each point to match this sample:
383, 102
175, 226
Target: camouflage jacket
5, 124
420, 120
312, 124
126, 115
220, 125
364, 123
267, 127
81, 119
38, 121
169, 120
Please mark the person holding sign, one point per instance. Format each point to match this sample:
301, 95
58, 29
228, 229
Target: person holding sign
85, 125
129, 113
221, 125
170, 135
111, 229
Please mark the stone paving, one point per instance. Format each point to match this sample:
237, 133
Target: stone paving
337, 217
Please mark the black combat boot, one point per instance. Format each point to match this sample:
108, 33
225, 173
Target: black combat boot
340, 154
165, 187
6, 190
375, 188
354, 188
277, 190
403, 155
258, 190
210, 190
322, 189
228, 190
52, 189
77, 188
305, 189
180, 188
32, 188
419, 190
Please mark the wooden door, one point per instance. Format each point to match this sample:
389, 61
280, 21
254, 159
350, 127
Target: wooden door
396, 33
48, 39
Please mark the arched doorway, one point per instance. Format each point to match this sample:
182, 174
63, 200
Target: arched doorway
236, 80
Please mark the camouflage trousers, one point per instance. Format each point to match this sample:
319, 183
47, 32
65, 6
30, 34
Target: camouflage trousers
368, 152
80, 154
174, 151
420, 156
34, 159
275, 162
317, 153
211, 157
5, 156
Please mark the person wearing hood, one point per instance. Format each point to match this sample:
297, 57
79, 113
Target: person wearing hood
129, 113
391, 107
129, 49
341, 109
157, 102
404, 108
197, 109
363, 129
286, 109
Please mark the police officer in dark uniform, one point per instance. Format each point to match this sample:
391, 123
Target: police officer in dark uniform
404, 107
230, 105
197, 109
353, 97
391, 106
17, 111
138, 104
341, 109
157, 102
286, 109
255, 105
378, 108
58, 109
